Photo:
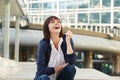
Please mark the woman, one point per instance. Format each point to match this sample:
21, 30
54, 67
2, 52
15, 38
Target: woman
55, 54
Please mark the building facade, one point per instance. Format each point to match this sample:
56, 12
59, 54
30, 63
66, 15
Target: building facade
95, 15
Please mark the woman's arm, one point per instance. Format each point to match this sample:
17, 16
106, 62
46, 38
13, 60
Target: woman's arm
69, 46
71, 57
41, 60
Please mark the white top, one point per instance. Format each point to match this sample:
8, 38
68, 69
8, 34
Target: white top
56, 57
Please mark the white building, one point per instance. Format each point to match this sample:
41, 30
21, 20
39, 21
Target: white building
95, 15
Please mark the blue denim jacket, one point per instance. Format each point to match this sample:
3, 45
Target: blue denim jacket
43, 56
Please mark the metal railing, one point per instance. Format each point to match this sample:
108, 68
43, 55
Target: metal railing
100, 28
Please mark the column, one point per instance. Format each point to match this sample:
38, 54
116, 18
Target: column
2, 43
16, 52
6, 29
116, 64
88, 59
112, 14
108, 30
100, 17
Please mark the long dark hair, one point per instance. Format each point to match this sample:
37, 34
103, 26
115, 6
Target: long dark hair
46, 31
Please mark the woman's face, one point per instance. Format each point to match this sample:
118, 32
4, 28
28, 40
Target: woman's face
55, 26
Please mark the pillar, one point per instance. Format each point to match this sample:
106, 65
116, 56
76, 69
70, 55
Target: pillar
16, 52
6, 29
88, 59
116, 64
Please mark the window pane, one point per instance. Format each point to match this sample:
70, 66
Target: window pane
94, 18
45, 17
48, 5
117, 3
106, 3
83, 4
94, 3
55, 5
83, 18
63, 18
36, 5
62, 5
70, 5
117, 17
72, 18
106, 17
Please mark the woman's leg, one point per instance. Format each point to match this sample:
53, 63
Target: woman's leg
42, 77
68, 73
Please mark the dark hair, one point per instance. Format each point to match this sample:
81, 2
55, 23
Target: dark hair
46, 31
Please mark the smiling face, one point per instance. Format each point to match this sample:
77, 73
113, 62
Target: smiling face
54, 26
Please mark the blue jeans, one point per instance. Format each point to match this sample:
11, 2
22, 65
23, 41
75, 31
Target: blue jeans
68, 73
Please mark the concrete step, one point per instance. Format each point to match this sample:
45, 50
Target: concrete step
27, 70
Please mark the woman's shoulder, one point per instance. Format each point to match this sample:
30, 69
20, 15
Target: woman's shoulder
43, 42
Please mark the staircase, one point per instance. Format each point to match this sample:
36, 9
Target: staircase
26, 71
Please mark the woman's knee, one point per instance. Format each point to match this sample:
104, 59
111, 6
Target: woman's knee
70, 68
68, 73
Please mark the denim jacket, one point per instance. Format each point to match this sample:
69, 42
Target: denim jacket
43, 56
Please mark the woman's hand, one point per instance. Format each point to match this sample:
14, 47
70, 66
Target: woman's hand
68, 35
69, 47
59, 68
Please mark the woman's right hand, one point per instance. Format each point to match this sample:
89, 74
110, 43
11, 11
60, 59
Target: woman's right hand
69, 35
59, 68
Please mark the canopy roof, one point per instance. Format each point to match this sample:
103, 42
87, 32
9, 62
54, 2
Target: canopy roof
15, 9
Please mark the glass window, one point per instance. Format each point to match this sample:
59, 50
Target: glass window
83, 18
62, 5
36, 5
55, 5
82, 4
30, 19
117, 3
79, 26
106, 17
94, 28
45, 17
27, 53
98, 28
94, 3
94, 18
72, 26
89, 27
117, 17
36, 19
72, 18
47, 5
63, 18
106, 3
70, 5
